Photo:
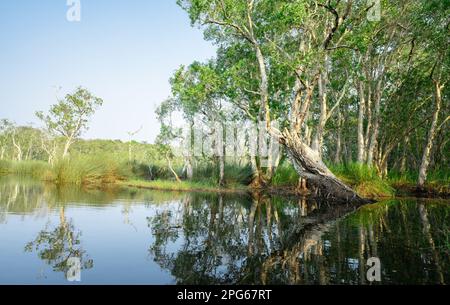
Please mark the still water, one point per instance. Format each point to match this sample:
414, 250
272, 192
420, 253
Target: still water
131, 236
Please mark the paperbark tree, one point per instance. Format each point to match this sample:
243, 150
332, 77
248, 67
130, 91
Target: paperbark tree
196, 92
6, 129
229, 20
70, 116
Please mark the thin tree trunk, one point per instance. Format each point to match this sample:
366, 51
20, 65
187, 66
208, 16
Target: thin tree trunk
18, 148
361, 112
337, 156
404, 154
190, 158
318, 137
272, 163
369, 121
189, 169
29, 151
169, 163
431, 135
221, 170
66, 148
219, 151
376, 125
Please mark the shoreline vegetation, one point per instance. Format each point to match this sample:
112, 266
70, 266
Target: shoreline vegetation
101, 171
299, 98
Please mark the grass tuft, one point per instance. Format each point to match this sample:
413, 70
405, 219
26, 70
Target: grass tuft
285, 175
363, 179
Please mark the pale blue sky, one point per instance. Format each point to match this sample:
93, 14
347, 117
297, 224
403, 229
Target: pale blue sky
124, 51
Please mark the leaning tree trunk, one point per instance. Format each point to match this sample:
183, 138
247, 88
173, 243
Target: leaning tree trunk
306, 161
309, 165
169, 164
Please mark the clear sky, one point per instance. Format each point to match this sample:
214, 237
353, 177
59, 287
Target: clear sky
123, 51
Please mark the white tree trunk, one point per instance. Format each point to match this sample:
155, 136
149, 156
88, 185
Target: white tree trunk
169, 164
337, 156
361, 111
376, 125
318, 138
404, 155
309, 165
189, 169
18, 149
222, 170
431, 135
66, 148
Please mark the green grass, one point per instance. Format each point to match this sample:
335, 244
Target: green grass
77, 170
106, 169
234, 175
436, 176
89, 170
34, 169
180, 186
363, 179
285, 175
438, 181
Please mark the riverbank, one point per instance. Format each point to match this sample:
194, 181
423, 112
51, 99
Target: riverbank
101, 171
183, 186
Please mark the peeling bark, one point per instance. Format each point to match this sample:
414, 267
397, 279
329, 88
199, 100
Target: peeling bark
310, 166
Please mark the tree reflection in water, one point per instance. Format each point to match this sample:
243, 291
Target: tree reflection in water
224, 240
58, 245
219, 239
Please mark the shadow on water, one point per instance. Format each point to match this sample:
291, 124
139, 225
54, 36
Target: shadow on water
235, 239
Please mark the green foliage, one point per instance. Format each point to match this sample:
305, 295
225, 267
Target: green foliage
355, 172
87, 170
69, 117
364, 179
410, 177
82, 170
438, 180
285, 175
270, 53
234, 175
33, 168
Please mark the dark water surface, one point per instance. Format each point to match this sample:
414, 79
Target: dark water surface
131, 236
